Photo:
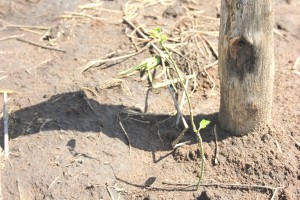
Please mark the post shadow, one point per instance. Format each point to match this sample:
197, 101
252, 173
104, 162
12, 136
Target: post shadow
76, 112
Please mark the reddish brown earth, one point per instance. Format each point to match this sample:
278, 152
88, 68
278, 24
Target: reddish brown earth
66, 141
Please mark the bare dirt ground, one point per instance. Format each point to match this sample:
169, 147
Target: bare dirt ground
66, 141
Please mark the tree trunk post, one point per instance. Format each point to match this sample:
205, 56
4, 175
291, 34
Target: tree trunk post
246, 64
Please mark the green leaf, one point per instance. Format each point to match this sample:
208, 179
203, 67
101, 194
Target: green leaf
147, 64
164, 37
152, 62
155, 33
203, 123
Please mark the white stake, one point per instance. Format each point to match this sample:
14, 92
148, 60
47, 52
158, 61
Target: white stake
5, 121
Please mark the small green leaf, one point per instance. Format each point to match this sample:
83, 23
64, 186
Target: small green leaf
147, 64
152, 62
203, 123
155, 33
164, 37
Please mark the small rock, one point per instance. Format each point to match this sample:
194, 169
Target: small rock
150, 181
266, 137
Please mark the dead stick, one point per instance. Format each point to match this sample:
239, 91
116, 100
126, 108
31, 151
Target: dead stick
3, 77
5, 121
11, 37
140, 33
27, 26
53, 182
41, 46
110, 193
297, 143
36, 66
211, 65
211, 80
126, 134
100, 61
229, 185
212, 48
274, 194
179, 113
295, 66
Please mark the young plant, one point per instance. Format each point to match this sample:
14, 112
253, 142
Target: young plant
166, 57
156, 34
202, 125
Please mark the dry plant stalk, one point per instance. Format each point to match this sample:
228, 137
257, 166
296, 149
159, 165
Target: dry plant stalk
231, 185
9, 25
3, 77
11, 37
5, 121
41, 46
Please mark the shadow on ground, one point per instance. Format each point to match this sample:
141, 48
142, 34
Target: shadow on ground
76, 112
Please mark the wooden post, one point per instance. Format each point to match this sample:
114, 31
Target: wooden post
246, 64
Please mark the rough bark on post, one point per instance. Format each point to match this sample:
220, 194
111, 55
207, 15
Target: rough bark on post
246, 64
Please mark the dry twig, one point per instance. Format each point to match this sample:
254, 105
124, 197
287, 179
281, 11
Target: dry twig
90, 90
230, 185
11, 37
215, 52
277, 32
53, 182
38, 65
169, 82
33, 31
101, 61
295, 66
80, 15
211, 80
110, 193
3, 77
8, 25
274, 194
211, 65
45, 121
297, 143
278, 147
125, 132
41, 46
90, 105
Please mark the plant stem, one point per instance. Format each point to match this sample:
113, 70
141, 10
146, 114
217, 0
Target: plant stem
202, 160
196, 131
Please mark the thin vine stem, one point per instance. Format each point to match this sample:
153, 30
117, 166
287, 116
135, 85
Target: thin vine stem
196, 131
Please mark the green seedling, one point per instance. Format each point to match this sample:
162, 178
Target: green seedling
156, 34
147, 65
202, 125
165, 57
